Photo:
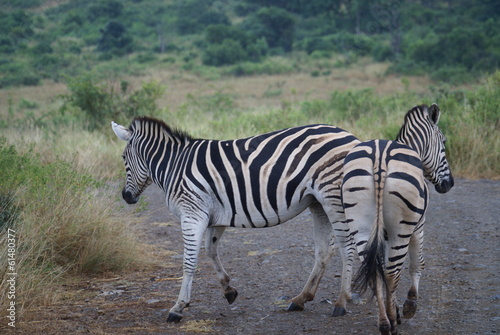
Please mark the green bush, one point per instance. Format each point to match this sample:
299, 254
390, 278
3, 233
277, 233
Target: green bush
100, 102
227, 45
274, 24
115, 39
107, 9
63, 221
226, 53
194, 16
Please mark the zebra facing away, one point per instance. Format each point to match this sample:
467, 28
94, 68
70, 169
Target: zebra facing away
255, 182
385, 197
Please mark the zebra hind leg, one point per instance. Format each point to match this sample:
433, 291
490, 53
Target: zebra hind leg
213, 237
323, 252
346, 248
416, 266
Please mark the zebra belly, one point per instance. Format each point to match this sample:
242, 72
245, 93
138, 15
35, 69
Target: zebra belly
255, 219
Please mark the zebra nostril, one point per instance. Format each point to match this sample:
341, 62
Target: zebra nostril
128, 197
445, 185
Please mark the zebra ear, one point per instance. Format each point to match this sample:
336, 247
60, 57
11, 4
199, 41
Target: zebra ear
120, 131
434, 113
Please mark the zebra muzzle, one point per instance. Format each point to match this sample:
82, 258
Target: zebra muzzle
128, 197
445, 185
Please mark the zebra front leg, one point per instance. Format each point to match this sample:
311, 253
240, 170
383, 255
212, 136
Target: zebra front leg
322, 254
193, 235
211, 242
417, 264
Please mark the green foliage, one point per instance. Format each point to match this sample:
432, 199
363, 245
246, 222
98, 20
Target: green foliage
448, 43
228, 45
107, 9
114, 39
101, 103
219, 103
274, 24
9, 212
193, 16
226, 53
62, 222
269, 66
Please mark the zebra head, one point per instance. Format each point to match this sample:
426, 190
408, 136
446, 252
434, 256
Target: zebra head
420, 132
137, 172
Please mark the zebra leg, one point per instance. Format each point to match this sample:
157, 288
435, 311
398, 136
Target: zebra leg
213, 236
417, 264
384, 325
322, 254
346, 249
391, 302
192, 233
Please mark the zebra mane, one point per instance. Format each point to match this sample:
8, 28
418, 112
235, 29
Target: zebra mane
417, 109
173, 132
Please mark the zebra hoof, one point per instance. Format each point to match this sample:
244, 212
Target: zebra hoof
339, 311
409, 308
231, 295
293, 307
174, 317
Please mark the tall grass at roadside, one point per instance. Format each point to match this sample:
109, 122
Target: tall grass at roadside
88, 151
65, 223
472, 126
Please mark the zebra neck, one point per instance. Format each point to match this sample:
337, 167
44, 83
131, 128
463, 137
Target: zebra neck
411, 142
163, 160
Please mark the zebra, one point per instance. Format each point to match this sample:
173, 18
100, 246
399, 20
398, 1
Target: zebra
256, 182
385, 198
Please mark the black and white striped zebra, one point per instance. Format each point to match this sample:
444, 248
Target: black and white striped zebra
385, 198
255, 182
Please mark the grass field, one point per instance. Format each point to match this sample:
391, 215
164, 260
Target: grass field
61, 151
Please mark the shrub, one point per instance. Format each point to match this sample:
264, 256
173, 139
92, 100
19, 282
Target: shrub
106, 9
274, 24
101, 102
228, 45
194, 16
226, 53
115, 39
63, 222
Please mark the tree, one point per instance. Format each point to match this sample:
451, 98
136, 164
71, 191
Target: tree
115, 39
276, 25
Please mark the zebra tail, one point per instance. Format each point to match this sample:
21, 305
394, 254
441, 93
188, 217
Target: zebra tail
373, 265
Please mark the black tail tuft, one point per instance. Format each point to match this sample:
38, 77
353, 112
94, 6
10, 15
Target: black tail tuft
372, 266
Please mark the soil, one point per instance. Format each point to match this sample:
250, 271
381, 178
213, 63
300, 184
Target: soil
459, 290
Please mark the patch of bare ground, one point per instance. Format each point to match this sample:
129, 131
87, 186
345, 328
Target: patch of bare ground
459, 290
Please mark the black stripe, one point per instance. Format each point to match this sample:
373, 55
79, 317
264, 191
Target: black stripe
407, 203
216, 161
356, 173
201, 165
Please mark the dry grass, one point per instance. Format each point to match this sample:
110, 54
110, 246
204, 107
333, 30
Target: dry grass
75, 236
87, 151
198, 326
250, 92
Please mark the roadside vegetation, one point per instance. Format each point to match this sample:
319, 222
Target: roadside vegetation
453, 42
217, 70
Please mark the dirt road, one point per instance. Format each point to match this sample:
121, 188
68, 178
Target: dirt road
459, 293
